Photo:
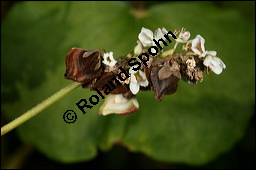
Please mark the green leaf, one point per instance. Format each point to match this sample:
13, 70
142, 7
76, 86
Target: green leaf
194, 126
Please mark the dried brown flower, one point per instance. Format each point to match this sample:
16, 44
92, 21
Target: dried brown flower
165, 75
83, 65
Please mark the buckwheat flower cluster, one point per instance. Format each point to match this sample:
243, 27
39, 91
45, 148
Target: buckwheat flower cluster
118, 81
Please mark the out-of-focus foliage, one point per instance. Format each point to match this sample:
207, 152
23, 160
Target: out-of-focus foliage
193, 126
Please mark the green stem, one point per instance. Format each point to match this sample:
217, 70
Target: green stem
40, 107
175, 46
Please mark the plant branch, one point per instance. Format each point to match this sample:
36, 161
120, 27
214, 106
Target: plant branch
40, 107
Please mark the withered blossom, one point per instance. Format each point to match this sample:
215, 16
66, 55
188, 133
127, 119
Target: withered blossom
164, 76
83, 65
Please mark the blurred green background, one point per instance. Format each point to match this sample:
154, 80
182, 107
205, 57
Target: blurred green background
208, 125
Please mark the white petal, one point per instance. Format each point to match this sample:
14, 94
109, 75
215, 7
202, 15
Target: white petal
147, 32
164, 31
186, 35
203, 54
134, 87
194, 48
111, 56
112, 63
109, 100
135, 102
105, 62
109, 106
138, 48
149, 43
144, 83
190, 41
212, 53
133, 79
142, 74
107, 57
218, 62
198, 41
195, 42
215, 61
158, 34
183, 37
207, 60
120, 99
146, 37
202, 43
217, 69
222, 64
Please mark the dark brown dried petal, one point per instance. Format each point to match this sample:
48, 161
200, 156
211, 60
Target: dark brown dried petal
167, 70
110, 80
83, 65
165, 83
147, 73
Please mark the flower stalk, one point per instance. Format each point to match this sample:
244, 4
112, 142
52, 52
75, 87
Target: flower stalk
39, 108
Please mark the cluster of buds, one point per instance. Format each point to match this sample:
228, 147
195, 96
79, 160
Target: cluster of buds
120, 80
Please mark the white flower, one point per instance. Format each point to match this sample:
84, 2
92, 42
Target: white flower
117, 104
159, 33
146, 36
198, 46
214, 62
138, 78
138, 48
109, 59
183, 36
